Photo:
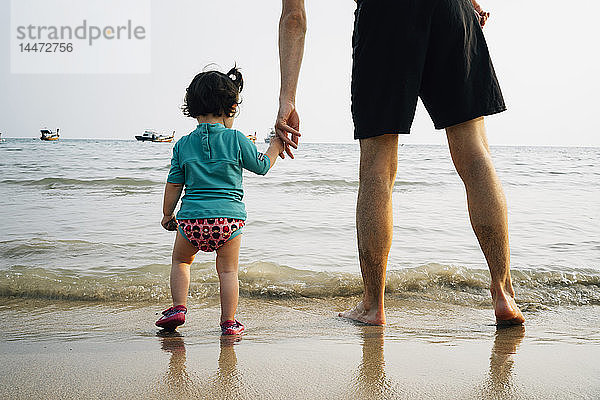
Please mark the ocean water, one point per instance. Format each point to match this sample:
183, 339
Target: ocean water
80, 221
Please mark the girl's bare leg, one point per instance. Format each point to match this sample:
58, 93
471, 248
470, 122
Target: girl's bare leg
227, 268
183, 256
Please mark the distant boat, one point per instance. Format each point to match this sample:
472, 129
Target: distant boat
154, 136
269, 136
1, 140
49, 134
252, 138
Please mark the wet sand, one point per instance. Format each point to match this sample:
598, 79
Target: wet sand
296, 349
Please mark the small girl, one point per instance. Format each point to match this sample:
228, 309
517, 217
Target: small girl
208, 163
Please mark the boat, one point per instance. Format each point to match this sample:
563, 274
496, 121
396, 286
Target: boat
252, 138
49, 134
269, 136
154, 136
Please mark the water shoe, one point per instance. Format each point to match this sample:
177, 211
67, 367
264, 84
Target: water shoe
232, 328
172, 317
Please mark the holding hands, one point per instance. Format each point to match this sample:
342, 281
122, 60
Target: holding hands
275, 149
277, 145
287, 122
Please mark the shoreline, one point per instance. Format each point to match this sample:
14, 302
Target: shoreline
296, 348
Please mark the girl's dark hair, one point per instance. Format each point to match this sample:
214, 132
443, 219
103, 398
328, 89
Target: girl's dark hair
213, 92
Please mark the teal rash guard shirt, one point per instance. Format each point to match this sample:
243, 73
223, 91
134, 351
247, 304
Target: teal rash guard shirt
209, 162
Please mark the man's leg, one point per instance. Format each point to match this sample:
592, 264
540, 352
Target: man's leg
378, 162
487, 211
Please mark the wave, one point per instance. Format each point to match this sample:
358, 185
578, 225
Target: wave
70, 182
343, 183
432, 282
37, 247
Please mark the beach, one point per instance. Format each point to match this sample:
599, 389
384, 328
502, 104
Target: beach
468, 129
84, 268
297, 349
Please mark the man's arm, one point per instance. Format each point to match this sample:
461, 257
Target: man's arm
292, 29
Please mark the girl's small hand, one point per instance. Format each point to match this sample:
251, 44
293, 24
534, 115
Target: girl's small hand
169, 222
277, 144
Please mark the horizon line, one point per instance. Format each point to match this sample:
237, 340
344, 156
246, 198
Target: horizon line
349, 142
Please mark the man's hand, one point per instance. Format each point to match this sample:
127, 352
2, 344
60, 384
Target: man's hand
169, 222
287, 122
483, 15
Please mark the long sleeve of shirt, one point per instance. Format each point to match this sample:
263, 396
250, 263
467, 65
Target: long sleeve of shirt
176, 174
251, 158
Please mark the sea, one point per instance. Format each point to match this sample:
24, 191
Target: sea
80, 221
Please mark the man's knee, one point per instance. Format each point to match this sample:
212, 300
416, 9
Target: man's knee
378, 160
476, 168
375, 188
469, 150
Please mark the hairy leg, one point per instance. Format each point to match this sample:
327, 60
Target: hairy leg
378, 162
183, 256
487, 211
227, 268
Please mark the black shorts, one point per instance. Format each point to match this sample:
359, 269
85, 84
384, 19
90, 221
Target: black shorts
435, 49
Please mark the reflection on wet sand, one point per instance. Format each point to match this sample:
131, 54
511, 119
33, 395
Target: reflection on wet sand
371, 382
177, 378
227, 382
179, 384
499, 383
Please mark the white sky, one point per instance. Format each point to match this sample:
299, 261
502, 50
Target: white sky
545, 54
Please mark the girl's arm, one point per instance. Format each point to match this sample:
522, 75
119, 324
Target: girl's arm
275, 148
170, 200
254, 161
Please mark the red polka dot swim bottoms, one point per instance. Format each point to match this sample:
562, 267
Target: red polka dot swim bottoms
208, 234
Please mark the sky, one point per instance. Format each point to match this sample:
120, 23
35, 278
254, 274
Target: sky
545, 55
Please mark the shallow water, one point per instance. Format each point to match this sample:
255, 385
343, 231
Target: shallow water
296, 349
80, 221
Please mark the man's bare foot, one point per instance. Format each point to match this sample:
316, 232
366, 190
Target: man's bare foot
360, 314
506, 309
